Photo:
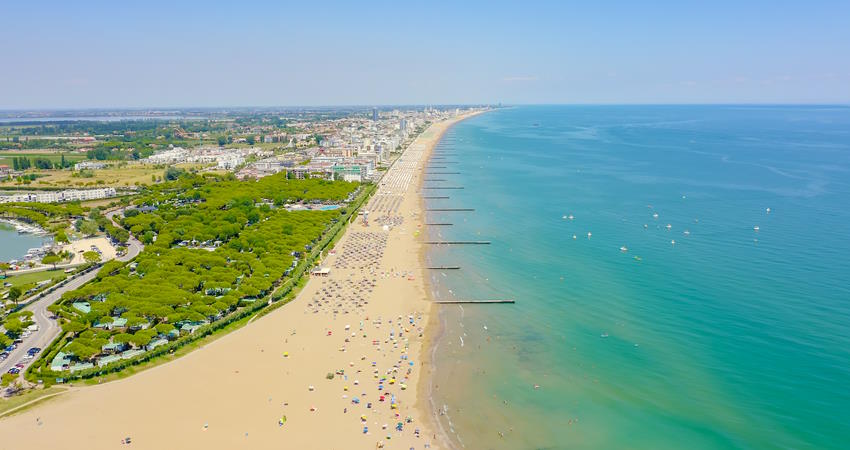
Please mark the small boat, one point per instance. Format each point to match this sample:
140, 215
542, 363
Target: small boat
767, 210
687, 233
669, 226
637, 258
574, 236
603, 335
673, 242
655, 215
756, 228
589, 234
624, 249
564, 217
571, 217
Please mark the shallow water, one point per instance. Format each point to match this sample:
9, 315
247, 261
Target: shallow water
14, 245
730, 338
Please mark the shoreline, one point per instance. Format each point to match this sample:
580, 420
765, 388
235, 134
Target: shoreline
24, 228
434, 327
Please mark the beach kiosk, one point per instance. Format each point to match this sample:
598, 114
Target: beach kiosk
320, 272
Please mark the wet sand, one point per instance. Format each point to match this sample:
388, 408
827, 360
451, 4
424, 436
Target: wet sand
364, 323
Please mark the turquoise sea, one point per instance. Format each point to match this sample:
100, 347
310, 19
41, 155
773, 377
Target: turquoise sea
733, 337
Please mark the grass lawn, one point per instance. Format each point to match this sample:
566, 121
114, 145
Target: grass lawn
114, 176
28, 398
6, 156
34, 277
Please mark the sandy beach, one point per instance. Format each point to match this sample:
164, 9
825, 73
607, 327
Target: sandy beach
268, 384
77, 248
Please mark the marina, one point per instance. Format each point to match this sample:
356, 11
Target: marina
22, 242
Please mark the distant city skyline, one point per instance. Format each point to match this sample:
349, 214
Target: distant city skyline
93, 54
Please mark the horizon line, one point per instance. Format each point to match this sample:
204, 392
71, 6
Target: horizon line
410, 105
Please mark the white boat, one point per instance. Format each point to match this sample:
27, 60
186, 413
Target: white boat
669, 226
655, 215
624, 249
589, 234
756, 228
673, 242
571, 217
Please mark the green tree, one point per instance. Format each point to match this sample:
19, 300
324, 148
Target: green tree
81, 350
173, 173
7, 379
61, 236
14, 326
147, 237
91, 257
51, 259
73, 327
15, 294
250, 139
4, 266
89, 228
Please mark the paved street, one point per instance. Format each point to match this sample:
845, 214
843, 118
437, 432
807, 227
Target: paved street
48, 329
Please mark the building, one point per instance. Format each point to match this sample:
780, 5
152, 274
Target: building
89, 165
69, 195
374, 114
174, 155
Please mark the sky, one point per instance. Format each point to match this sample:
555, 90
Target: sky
114, 54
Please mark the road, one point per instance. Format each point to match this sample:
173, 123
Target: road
48, 329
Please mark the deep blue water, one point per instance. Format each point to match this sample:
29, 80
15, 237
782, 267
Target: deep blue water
730, 338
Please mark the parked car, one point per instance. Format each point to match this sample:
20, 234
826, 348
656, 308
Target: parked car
14, 371
33, 350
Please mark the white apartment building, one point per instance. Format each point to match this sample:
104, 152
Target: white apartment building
68, 195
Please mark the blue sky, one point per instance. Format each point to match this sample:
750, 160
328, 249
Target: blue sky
270, 53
